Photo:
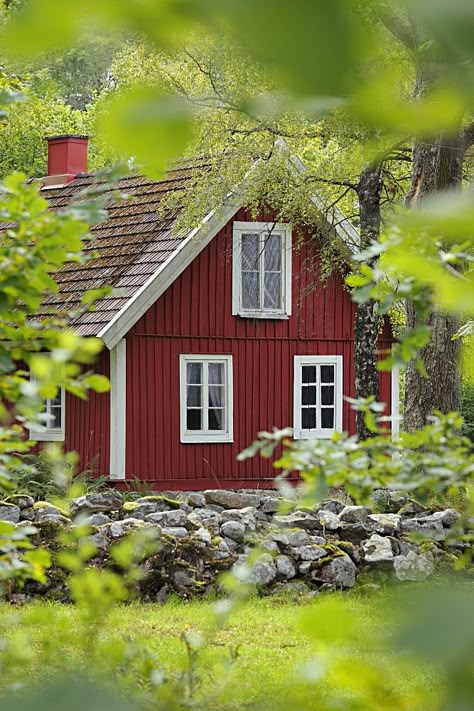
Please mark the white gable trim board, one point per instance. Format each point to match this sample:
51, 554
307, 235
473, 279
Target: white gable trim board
170, 270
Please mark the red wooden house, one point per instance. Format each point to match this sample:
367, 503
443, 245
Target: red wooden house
209, 337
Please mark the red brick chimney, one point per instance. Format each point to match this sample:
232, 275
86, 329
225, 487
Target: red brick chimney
67, 156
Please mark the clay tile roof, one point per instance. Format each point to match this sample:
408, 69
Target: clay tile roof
132, 243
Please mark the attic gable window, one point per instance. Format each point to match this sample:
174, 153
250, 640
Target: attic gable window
261, 270
317, 397
206, 398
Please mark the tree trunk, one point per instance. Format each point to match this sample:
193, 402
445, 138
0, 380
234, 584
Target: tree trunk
437, 166
366, 326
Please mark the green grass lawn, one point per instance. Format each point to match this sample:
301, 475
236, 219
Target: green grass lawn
271, 653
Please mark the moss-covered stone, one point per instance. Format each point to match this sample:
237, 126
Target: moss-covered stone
130, 506
172, 503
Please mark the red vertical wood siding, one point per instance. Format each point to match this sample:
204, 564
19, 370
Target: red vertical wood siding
88, 424
195, 316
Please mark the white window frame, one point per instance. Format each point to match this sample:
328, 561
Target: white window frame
299, 361
202, 436
51, 434
263, 228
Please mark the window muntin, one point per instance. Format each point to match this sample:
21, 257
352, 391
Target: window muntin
317, 396
262, 270
206, 398
52, 420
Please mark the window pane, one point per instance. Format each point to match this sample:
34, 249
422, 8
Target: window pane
215, 396
327, 395
55, 420
216, 371
308, 374
272, 253
250, 248
308, 418
193, 396
327, 373
327, 418
272, 290
194, 419
250, 290
194, 373
216, 419
308, 395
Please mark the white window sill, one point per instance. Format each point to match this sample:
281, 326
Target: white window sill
204, 438
46, 436
314, 434
264, 314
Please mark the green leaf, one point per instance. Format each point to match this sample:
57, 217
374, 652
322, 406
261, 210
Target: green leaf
149, 127
98, 383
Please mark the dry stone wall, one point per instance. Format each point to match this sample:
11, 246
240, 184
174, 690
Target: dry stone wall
200, 535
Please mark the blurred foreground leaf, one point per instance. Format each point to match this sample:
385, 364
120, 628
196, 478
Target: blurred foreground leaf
149, 127
69, 694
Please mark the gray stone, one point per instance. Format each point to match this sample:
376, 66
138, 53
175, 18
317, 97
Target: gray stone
117, 529
285, 567
185, 507
174, 518
269, 505
298, 519
412, 567
353, 532
27, 514
427, 526
45, 517
378, 550
196, 499
298, 538
317, 540
387, 524
99, 539
234, 530
231, 499
23, 501
181, 577
279, 537
309, 553
110, 500
354, 514
203, 535
245, 516
448, 517
305, 567
328, 520
215, 507
9, 512
205, 517
339, 572
269, 546
410, 508
263, 571
332, 505
97, 519
224, 546
176, 531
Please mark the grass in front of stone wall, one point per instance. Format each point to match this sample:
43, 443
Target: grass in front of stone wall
269, 643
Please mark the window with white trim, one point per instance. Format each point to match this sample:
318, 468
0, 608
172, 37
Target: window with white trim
51, 421
206, 398
317, 396
261, 270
